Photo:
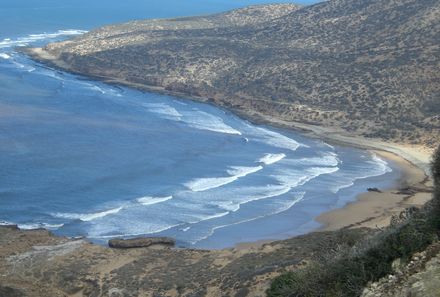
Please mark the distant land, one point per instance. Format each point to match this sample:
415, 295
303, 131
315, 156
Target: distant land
358, 68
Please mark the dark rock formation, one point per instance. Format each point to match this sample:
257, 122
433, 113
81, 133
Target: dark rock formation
374, 190
140, 242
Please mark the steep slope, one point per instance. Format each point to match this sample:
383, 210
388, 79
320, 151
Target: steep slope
369, 67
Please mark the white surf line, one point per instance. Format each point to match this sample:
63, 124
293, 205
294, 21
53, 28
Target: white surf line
383, 166
234, 207
5, 56
26, 40
86, 217
205, 121
30, 226
207, 183
269, 159
135, 234
288, 206
149, 200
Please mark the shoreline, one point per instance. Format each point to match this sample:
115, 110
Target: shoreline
373, 209
368, 209
418, 155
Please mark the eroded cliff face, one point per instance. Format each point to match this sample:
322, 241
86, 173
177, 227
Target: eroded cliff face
365, 67
36, 263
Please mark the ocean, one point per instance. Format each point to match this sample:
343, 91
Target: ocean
83, 158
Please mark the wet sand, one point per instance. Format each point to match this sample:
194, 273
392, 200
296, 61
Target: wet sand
375, 209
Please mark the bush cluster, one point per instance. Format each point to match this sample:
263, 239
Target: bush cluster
346, 272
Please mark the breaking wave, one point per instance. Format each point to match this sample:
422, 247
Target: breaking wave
378, 167
5, 56
207, 183
25, 41
164, 111
326, 159
147, 200
273, 138
204, 121
295, 178
284, 206
40, 225
86, 217
269, 159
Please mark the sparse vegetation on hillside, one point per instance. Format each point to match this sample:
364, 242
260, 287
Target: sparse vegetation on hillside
369, 67
346, 270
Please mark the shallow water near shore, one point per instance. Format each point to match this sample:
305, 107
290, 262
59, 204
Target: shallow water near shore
83, 158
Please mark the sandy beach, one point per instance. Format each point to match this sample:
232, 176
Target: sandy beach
375, 209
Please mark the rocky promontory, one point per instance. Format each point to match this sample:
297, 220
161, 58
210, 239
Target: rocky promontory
366, 68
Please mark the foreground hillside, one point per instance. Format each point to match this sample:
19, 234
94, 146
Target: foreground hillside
366, 67
35, 263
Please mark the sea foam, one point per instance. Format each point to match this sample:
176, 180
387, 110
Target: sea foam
207, 183
164, 110
295, 178
5, 56
86, 217
273, 138
326, 159
40, 225
244, 195
378, 167
26, 40
148, 200
269, 159
283, 206
205, 121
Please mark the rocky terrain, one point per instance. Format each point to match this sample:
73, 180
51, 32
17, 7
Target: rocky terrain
36, 263
365, 67
418, 278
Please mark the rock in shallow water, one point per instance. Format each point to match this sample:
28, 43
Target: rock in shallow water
140, 242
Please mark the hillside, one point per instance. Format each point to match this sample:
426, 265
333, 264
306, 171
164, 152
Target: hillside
35, 263
365, 67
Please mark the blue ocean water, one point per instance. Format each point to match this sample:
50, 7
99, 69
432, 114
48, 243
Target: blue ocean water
81, 157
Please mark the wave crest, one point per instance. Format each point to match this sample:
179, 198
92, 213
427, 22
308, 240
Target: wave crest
26, 40
86, 217
148, 200
207, 183
269, 159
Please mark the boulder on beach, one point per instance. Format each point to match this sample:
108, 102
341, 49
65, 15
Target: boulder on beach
374, 190
140, 242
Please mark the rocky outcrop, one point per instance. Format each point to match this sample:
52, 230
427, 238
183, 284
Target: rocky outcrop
374, 190
420, 277
141, 242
